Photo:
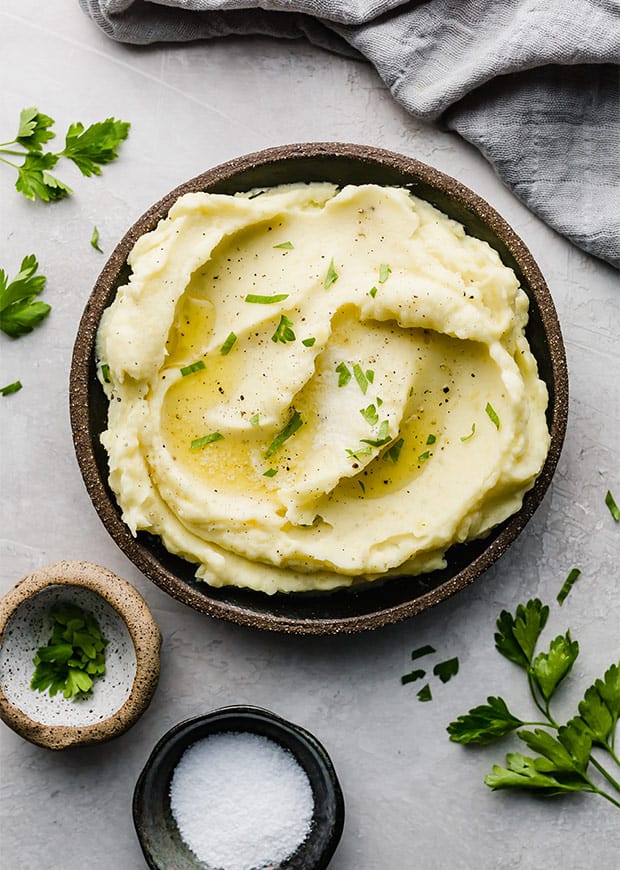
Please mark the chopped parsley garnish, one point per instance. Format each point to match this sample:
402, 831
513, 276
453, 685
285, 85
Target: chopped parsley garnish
431, 439
414, 675
255, 420
573, 575
266, 300
186, 370
105, 372
15, 387
393, 452
271, 472
228, 344
308, 342
613, 507
283, 331
492, 415
74, 655
425, 650
361, 485
446, 670
471, 434
206, 439
425, 693
291, 427
94, 240
382, 436
384, 273
360, 377
379, 401
331, 277
370, 376
286, 246
357, 454
370, 415
424, 456
373, 292
344, 375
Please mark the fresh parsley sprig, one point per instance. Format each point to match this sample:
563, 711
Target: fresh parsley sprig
565, 754
89, 148
19, 312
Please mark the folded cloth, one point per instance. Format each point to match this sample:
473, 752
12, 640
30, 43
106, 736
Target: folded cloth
534, 84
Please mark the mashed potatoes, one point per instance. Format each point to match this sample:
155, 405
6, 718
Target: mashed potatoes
311, 386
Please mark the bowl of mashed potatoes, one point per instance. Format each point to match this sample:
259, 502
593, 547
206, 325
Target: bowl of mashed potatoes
318, 389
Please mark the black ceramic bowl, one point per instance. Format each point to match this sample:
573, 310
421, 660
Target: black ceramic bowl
363, 606
155, 825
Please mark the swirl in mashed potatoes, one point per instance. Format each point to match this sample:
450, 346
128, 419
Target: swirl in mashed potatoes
314, 386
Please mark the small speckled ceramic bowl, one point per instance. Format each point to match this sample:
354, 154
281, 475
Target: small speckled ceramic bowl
118, 698
363, 606
155, 824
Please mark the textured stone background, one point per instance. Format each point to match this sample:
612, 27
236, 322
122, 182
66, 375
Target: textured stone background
413, 799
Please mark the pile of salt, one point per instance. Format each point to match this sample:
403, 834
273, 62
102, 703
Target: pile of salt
241, 801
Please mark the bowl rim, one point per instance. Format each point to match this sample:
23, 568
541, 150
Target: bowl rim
144, 633
79, 392
184, 734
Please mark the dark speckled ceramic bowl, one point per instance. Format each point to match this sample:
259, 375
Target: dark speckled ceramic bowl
362, 607
156, 827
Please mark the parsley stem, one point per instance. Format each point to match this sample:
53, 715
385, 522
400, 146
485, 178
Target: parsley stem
605, 773
14, 153
8, 162
594, 790
544, 710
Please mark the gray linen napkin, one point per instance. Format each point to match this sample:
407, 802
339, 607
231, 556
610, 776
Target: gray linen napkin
534, 84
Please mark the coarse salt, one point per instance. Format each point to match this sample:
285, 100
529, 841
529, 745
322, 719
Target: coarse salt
241, 801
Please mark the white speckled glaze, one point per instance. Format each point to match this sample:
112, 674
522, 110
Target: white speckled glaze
30, 627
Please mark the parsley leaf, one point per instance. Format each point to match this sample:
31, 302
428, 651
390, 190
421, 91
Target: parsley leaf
485, 723
331, 277
308, 342
15, 387
471, 434
552, 667
492, 415
425, 693
188, 370
568, 585
446, 670
360, 377
383, 436
614, 510
523, 772
92, 147
34, 180
412, 676
384, 273
286, 246
256, 298
33, 129
516, 636
19, 313
370, 415
94, 240
228, 344
344, 375
425, 650
197, 443
283, 331
291, 427
393, 452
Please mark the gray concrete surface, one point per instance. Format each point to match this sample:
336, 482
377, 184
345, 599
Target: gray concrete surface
413, 799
